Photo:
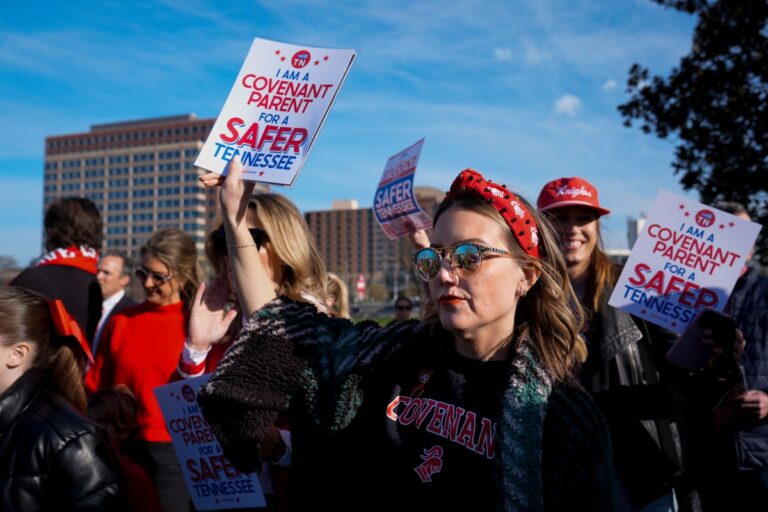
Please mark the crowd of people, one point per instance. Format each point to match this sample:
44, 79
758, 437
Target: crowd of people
518, 388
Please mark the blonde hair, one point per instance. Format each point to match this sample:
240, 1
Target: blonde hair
549, 313
337, 290
177, 251
26, 318
292, 243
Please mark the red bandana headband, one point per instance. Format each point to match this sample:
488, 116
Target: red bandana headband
471, 183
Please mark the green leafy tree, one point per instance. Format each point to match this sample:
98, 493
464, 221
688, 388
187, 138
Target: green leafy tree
714, 105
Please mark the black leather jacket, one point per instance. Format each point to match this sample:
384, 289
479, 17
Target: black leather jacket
52, 457
624, 372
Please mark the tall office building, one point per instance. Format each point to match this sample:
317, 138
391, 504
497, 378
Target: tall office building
351, 242
139, 173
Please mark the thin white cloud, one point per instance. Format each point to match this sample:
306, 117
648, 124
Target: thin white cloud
502, 54
567, 104
533, 54
610, 85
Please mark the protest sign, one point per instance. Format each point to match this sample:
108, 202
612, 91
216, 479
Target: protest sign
395, 204
688, 257
213, 482
275, 110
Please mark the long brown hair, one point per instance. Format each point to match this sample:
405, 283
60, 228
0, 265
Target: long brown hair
177, 251
26, 318
549, 313
602, 274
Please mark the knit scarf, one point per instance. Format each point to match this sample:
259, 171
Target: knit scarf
520, 433
82, 257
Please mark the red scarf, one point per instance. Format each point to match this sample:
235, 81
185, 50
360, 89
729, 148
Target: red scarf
82, 257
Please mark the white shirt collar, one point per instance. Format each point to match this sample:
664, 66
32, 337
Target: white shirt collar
113, 300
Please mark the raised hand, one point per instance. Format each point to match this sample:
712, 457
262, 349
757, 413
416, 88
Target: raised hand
418, 237
210, 319
235, 192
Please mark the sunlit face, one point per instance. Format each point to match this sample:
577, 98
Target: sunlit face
577, 232
110, 276
160, 293
482, 304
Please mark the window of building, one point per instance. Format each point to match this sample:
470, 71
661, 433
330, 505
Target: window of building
170, 191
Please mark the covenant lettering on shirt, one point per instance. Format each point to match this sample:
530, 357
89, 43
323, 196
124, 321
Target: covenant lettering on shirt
446, 420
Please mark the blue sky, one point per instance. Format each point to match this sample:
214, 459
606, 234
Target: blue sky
524, 91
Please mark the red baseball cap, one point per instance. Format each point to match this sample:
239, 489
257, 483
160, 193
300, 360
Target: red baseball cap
569, 192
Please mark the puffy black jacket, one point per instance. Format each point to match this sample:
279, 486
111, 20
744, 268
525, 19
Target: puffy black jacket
51, 456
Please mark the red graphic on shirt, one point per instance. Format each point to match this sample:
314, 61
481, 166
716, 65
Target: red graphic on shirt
451, 422
433, 463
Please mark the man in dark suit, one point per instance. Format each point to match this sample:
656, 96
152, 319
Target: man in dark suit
114, 276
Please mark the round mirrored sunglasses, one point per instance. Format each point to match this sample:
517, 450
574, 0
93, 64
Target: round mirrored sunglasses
465, 257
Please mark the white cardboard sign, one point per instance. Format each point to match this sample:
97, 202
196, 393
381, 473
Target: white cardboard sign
395, 204
687, 258
275, 110
213, 483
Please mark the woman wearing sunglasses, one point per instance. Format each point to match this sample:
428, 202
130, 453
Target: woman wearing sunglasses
140, 348
286, 251
626, 355
473, 408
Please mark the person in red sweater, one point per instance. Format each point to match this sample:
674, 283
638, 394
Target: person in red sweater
140, 349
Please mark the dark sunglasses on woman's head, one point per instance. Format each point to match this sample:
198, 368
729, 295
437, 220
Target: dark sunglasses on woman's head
158, 279
220, 240
403, 308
